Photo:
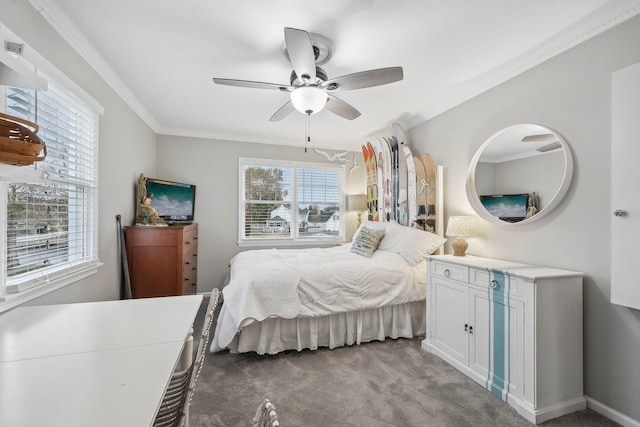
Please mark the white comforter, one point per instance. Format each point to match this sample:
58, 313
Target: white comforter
313, 282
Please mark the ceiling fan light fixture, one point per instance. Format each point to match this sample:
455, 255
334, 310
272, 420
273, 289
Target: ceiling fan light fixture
308, 99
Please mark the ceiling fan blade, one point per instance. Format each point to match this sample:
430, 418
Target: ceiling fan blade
301, 55
282, 112
380, 76
341, 108
254, 85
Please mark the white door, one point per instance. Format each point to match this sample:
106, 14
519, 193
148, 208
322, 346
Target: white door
449, 318
625, 175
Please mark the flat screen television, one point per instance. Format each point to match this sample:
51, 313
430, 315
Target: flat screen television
507, 207
174, 201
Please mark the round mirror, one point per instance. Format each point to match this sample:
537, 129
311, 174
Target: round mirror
519, 174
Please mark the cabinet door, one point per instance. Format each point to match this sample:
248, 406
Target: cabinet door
480, 335
625, 150
448, 317
497, 341
154, 271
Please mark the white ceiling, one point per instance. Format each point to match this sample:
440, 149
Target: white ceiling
161, 56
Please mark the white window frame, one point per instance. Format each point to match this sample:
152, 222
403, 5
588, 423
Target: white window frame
34, 285
295, 239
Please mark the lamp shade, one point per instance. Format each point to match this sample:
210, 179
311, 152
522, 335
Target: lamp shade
461, 226
308, 99
357, 202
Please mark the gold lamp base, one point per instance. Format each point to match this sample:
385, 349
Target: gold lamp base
459, 247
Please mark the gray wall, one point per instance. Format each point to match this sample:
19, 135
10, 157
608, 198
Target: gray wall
127, 148
570, 93
213, 166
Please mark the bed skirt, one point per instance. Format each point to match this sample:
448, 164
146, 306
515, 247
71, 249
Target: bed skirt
275, 335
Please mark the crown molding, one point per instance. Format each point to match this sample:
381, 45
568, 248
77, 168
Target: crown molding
60, 22
601, 20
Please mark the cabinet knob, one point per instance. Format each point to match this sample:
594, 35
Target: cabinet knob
466, 327
187, 262
447, 272
186, 280
494, 284
470, 329
619, 212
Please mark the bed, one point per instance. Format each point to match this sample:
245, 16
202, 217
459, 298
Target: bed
295, 299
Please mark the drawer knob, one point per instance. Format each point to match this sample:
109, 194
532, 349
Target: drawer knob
447, 272
494, 284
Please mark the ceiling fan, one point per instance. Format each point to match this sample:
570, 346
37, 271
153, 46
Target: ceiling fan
310, 89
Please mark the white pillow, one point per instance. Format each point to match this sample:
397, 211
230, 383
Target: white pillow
410, 243
373, 225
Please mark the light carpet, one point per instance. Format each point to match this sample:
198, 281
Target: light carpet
390, 383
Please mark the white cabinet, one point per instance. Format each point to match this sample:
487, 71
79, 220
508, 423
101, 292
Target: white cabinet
516, 329
625, 205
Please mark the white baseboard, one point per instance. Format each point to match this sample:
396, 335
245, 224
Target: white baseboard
611, 413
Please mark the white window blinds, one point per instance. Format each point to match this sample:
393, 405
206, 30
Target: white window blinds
266, 201
319, 195
52, 226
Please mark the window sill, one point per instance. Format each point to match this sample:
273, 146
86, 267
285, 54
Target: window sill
20, 174
9, 301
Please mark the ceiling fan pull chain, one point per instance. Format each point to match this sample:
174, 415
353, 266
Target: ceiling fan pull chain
307, 130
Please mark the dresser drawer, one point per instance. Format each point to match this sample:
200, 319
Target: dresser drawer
191, 239
496, 279
450, 271
189, 280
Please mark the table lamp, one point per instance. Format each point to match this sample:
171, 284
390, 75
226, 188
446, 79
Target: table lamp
357, 202
461, 227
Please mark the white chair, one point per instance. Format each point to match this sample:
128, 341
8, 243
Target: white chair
266, 415
174, 410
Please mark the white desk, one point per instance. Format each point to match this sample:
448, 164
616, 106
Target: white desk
54, 330
90, 364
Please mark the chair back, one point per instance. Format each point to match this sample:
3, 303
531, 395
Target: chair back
204, 342
266, 415
174, 409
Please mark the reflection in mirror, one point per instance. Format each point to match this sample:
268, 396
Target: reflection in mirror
519, 174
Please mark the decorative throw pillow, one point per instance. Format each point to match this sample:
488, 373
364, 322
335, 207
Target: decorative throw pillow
366, 241
410, 243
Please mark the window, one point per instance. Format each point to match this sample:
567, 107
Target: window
290, 201
51, 226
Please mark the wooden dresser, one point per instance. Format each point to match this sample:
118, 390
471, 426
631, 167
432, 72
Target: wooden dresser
163, 261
